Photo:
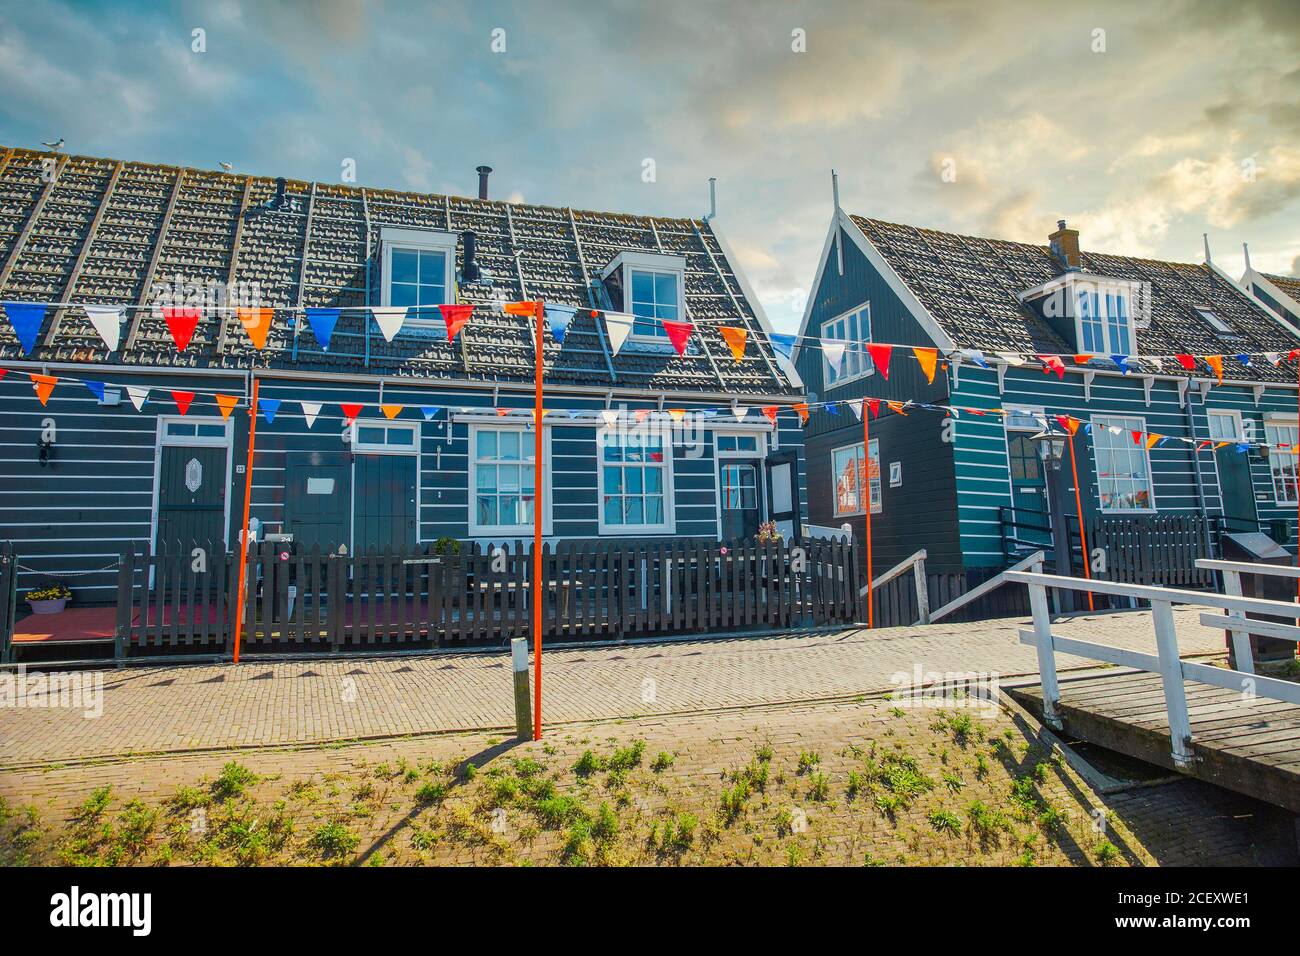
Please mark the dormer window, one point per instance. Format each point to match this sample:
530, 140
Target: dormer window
650, 286
1096, 312
418, 272
1211, 318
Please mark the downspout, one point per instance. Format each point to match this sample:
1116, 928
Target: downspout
1196, 469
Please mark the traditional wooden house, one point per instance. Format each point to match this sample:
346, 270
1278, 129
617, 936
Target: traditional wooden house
367, 438
1176, 384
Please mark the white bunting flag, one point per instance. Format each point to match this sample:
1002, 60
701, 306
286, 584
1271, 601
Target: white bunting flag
1011, 358
107, 320
618, 325
390, 319
610, 416
740, 411
1273, 357
309, 411
834, 354
137, 394
857, 409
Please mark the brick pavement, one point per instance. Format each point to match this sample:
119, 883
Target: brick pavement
259, 703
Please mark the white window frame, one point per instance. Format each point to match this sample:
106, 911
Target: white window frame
669, 525
855, 348
1211, 318
649, 262
1272, 422
1068, 288
1104, 423
877, 502
1035, 411
541, 488
418, 240
1239, 428
359, 447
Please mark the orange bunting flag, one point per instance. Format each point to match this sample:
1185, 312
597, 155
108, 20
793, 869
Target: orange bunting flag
802, 409
677, 414
350, 411
1215, 362
257, 323
641, 414
227, 404
678, 333
455, 316
928, 358
522, 308
896, 407
1083, 358
502, 412
44, 386
771, 412
1153, 438
736, 339
182, 400
181, 323
880, 358
1070, 424
391, 411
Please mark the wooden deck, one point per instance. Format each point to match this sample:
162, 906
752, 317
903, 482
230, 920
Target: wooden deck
1251, 746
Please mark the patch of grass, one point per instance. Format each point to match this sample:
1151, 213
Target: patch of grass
334, 840
985, 823
625, 758
587, 764
430, 793
763, 753
663, 760
945, 821
819, 786
233, 780
808, 761
732, 801
953, 782
857, 783
1105, 852
558, 810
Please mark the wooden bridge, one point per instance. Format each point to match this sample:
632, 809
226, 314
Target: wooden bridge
1227, 725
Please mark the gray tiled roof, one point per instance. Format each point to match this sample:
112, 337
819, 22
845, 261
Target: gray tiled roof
1288, 284
106, 231
969, 284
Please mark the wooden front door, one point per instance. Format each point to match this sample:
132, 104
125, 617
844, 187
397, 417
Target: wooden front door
383, 502
316, 504
192, 497
783, 493
1028, 491
741, 501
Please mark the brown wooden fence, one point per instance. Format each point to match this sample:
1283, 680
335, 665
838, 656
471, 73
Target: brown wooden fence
1153, 549
592, 590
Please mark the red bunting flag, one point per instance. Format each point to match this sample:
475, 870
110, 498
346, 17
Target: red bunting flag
802, 409
1137, 437
928, 358
678, 333
1293, 355
771, 412
1186, 361
1215, 362
874, 405
880, 358
44, 386
350, 411
182, 400
1052, 363
3, 372
502, 412
181, 323
455, 316
1069, 423
641, 414
226, 403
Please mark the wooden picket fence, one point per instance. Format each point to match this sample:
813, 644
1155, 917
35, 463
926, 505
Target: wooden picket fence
1159, 549
592, 590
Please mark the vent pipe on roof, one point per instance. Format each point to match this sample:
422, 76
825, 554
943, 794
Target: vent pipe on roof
483, 173
1245, 251
1205, 238
713, 198
470, 271
835, 199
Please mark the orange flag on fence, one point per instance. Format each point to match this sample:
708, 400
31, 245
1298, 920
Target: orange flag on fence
1215, 362
227, 404
677, 414
44, 385
391, 411
896, 407
928, 358
257, 323
1083, 358
736, 339
771, 411
521, 308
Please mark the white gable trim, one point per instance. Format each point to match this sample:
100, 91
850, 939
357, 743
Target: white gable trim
1253, 277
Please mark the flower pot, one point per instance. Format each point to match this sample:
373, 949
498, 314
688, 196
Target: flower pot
53, 606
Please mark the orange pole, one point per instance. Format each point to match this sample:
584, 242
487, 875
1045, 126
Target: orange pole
866, 499
248, 496
1078, 504
540, 308
1297, 483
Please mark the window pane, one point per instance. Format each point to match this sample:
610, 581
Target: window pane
654, 479
508, 446
632, 511
487, 444
643, 287
402, 294
634, 476
510, 509
508, 478
654, 509
487, 510
613, 481
405, 265
212, 431
370, 436
613, 510
486, 478
401, 436
726, 443
433, 268
665, 288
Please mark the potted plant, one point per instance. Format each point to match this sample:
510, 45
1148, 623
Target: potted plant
768, 533
50, 599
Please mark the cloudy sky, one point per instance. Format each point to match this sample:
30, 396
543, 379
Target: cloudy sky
1144, 125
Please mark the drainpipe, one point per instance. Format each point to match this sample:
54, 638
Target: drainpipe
1196, 469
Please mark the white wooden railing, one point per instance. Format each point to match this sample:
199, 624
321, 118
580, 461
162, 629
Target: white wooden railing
916, 562
844, 531
1165, 662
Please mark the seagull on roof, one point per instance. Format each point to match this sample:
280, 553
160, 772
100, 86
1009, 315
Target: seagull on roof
55, 147
226, 166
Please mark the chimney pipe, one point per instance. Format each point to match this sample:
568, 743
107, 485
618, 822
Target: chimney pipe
470, 271
713, 198
483, 172
1205, 238
1245, 251
1065, 246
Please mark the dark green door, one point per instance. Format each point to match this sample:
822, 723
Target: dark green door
1028, 492
192, 497
316, 503
383, 502
741, 511
1236, 489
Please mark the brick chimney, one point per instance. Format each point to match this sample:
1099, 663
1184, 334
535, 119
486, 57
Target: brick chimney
1065, 246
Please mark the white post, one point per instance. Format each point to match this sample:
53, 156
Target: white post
1046, 655
523, 699
1171, 675
922, 590
1240, 639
